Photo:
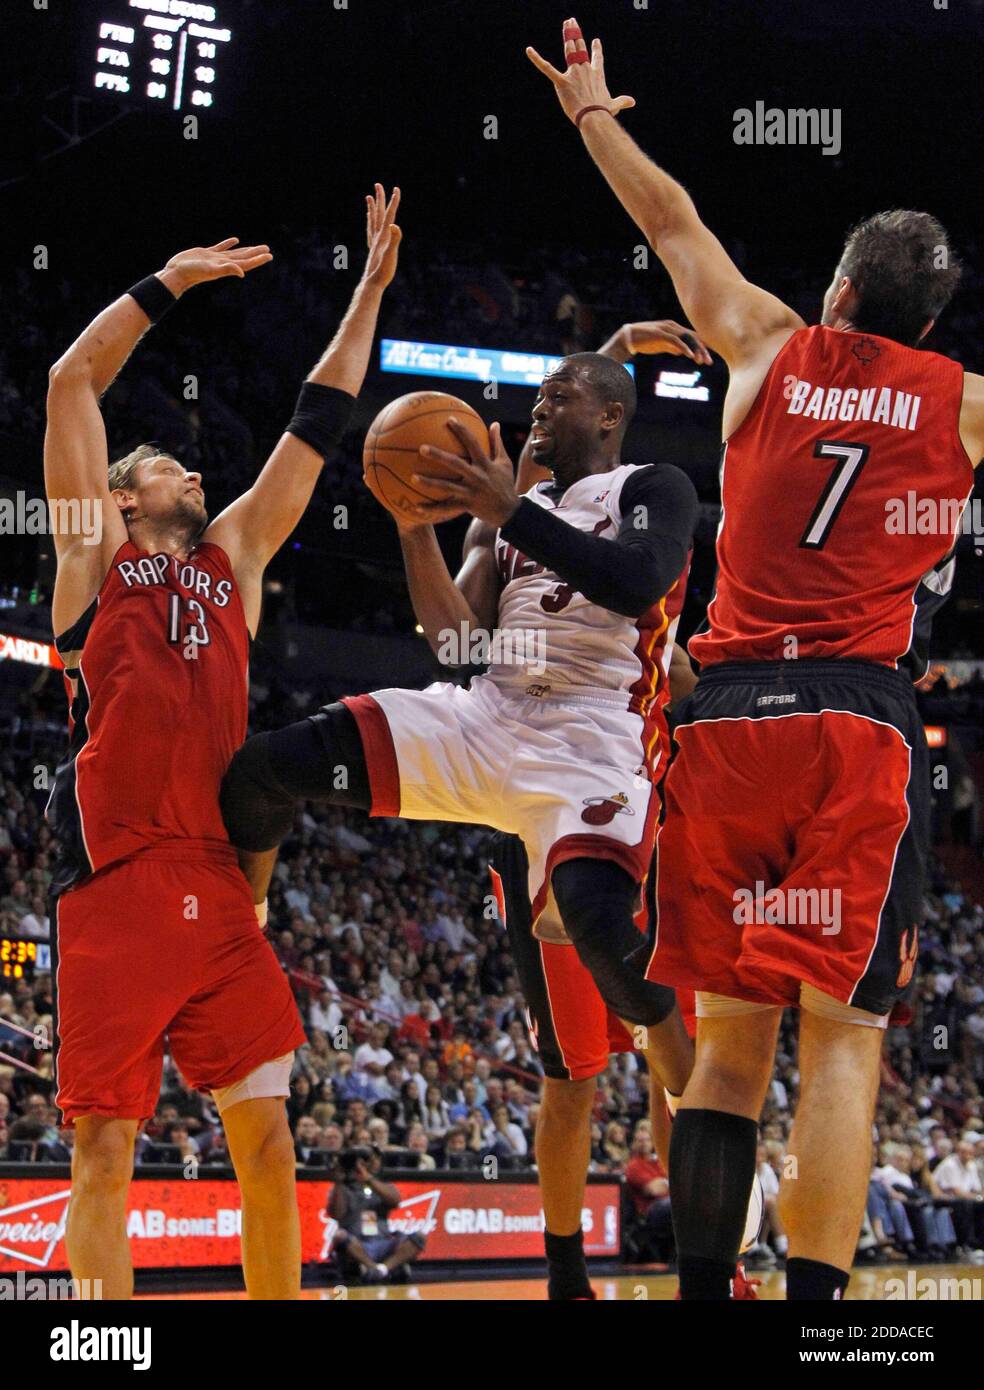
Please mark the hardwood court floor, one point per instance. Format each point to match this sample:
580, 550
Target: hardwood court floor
865, 1284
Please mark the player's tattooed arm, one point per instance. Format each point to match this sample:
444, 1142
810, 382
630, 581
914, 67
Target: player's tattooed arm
735, 318
76, 455
254, 527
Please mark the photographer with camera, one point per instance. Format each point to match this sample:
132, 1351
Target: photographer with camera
361, 1202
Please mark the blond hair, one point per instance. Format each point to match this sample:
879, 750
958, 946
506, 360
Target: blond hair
121, 472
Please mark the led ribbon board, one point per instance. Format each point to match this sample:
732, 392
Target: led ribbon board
467, 363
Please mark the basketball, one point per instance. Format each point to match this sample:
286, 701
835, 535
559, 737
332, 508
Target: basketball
390, 457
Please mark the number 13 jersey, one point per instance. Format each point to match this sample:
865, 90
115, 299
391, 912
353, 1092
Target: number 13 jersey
841, 489
156, 671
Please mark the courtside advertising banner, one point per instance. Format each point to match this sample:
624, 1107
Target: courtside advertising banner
185, 1223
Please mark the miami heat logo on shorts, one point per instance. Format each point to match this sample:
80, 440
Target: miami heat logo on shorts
866, 350
602, 810
907, 955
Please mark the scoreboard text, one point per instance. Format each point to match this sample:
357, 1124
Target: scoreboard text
165, 52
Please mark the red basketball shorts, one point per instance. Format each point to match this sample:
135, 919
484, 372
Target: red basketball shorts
160, 946
570, 1025
795, 835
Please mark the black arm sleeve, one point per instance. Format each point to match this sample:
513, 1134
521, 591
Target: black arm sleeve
633, 570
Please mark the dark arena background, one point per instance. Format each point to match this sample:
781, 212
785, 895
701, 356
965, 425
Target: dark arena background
128, 136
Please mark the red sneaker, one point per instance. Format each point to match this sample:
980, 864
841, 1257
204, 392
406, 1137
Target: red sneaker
741, 1286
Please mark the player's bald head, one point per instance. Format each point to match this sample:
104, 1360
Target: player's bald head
607, 379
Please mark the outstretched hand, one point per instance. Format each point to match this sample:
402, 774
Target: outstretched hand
479, 484
201, 263
583, 84
665, 335
383, 237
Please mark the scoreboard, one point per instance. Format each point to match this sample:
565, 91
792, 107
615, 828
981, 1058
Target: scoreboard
164, 53
20, 958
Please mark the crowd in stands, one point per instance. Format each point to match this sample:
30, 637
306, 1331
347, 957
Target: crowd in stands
418, 1043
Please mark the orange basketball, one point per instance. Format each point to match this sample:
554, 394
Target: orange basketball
390, 457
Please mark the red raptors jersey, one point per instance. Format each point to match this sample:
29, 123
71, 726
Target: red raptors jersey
841, 488
157, 676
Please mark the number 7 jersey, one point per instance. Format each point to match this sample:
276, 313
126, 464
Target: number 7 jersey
156, 671
841, 489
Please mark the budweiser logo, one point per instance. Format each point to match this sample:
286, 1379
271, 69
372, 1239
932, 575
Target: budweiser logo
416, 1215
30, 1231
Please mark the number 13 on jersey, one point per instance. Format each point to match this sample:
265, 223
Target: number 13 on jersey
186, 625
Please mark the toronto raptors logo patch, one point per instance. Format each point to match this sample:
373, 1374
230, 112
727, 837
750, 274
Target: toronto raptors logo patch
602, 810
866, 350
907, 955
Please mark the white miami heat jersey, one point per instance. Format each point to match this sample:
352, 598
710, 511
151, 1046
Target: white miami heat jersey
552, 640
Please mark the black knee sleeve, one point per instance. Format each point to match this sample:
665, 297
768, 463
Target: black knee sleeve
317, 759
712, 1167
596, 899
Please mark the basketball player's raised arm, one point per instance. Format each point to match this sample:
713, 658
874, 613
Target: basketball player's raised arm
76, 458
254, 527
735, 318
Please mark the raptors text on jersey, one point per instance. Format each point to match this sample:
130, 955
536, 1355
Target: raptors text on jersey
156, 673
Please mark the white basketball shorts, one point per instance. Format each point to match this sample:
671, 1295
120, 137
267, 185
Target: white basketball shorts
571, 774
